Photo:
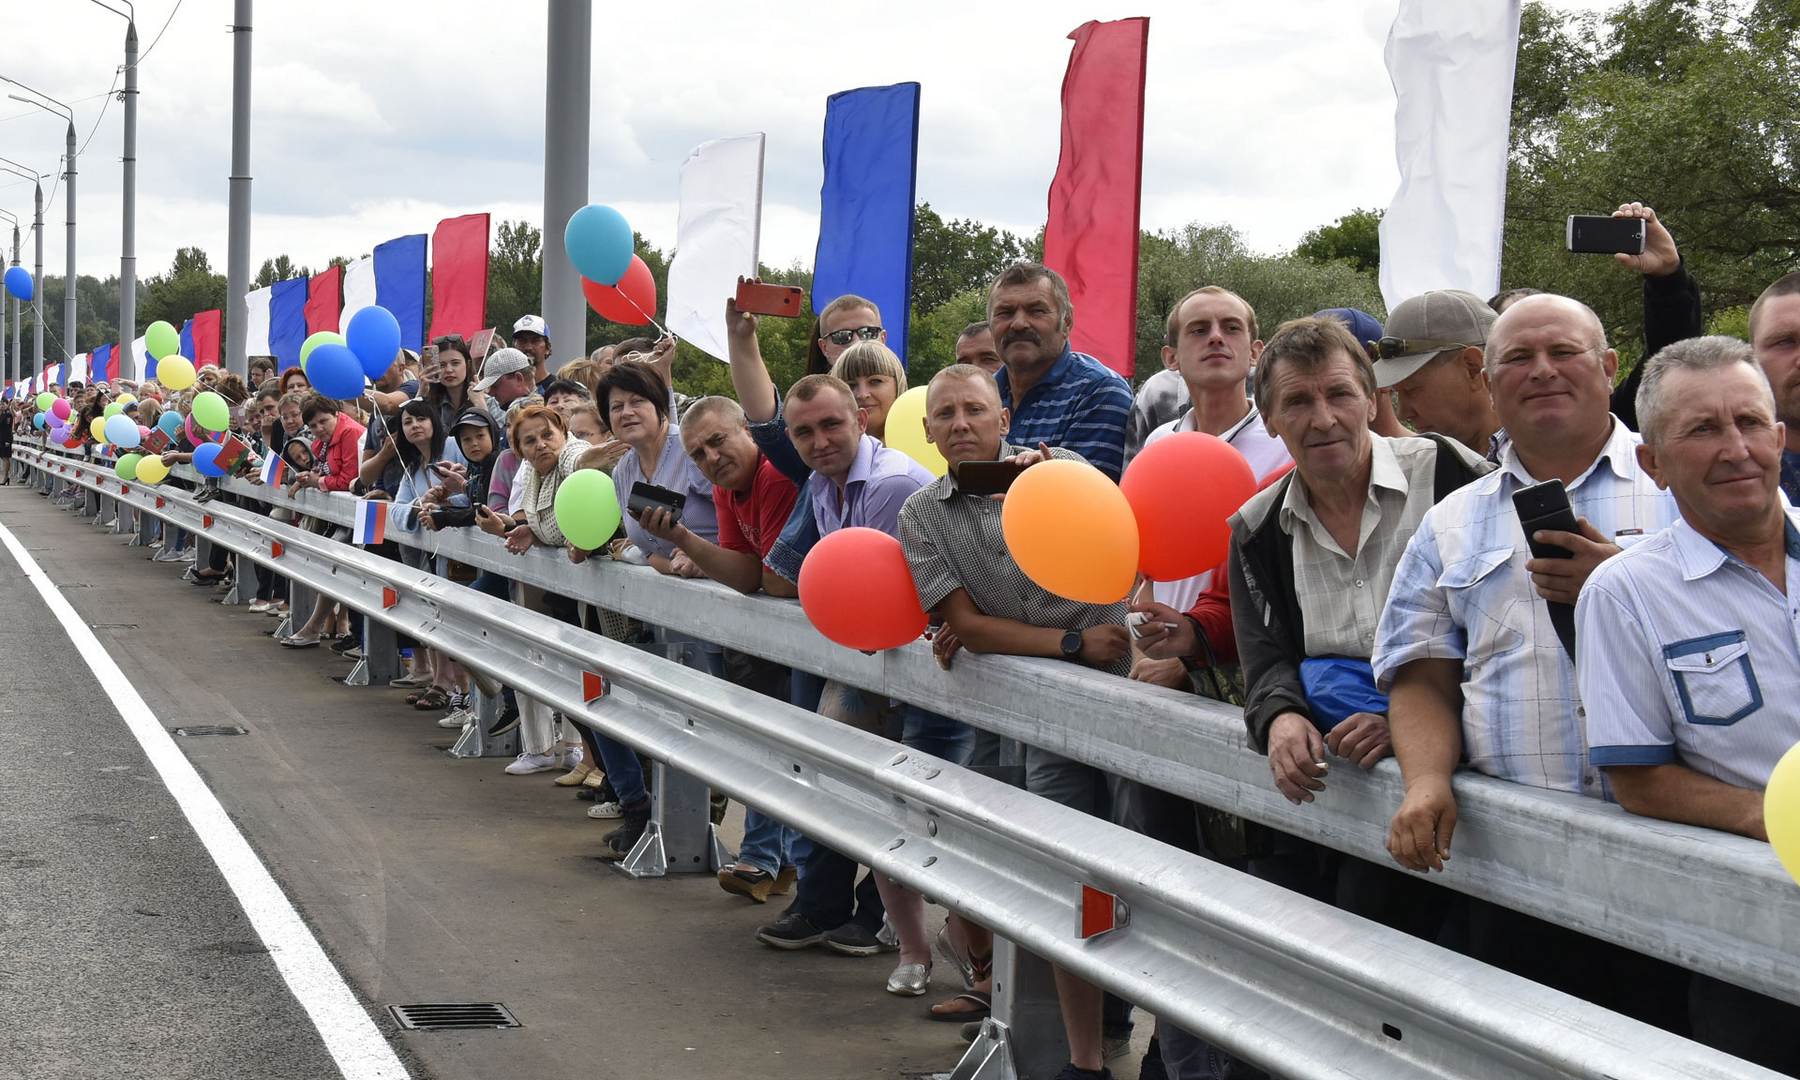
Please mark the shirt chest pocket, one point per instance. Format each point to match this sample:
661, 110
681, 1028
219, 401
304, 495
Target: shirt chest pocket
1714, 679
1494, 619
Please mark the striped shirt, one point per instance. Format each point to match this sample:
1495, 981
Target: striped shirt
1461, 593
1690, 655
1080, 404
954, 541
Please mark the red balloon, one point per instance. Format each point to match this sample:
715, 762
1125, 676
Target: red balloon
614, 302
1183, 491
856, 588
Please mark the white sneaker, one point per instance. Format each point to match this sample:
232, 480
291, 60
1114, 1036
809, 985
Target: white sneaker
165, 555
572, 756
257, 607
526, 764
456, 719
606, 811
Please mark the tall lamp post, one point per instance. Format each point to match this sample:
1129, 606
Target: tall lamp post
37, 272
69, 281
9, 362
128, 237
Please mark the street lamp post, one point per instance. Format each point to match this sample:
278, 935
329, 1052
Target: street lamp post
128, 238
7, 362
37, 272
69, 280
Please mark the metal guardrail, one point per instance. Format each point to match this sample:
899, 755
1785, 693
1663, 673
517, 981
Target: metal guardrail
1564, 858
1264, 973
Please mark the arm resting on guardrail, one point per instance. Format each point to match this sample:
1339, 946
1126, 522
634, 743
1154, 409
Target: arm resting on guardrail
1425, 716
1678, 793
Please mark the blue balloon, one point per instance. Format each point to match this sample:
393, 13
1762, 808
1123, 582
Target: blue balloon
18, 282
335, 371
598, 240
374, 337
170, 423
41, 420
122, 430
205, 458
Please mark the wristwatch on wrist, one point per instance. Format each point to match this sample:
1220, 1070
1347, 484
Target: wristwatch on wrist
1071, 644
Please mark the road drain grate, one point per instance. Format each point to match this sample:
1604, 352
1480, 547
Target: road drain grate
451, 1016
209, 729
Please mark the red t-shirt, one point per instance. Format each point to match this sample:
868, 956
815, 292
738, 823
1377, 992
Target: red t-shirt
750, 523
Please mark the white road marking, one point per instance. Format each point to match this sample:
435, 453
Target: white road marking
350, 1036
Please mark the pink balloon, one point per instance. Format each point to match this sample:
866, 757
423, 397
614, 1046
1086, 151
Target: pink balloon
60, 408
143, 432
197, 436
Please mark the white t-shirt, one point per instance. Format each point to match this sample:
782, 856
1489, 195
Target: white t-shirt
1265, 453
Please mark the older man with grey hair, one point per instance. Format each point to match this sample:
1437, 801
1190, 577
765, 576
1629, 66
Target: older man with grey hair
1691, 659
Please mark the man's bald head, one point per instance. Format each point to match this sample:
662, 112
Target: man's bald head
962, 373
1536, 310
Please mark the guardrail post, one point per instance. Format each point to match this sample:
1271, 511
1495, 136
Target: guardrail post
1024, 1036
679, 837
90, 504
474, 741
380, 663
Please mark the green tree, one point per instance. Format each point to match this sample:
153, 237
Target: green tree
189, 285
1354, 238
952, 257
280, 268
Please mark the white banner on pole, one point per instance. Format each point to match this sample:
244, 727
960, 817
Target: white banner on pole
140, 355
717, 236
1452, 69
256, 321
359, 288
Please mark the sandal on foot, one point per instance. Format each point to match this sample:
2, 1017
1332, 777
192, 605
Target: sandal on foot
952, 1010
433, 699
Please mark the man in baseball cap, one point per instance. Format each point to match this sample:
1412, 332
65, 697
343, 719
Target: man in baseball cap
505, 378
531, 336
1430, 355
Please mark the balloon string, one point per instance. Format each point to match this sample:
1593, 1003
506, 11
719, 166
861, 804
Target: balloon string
661, 330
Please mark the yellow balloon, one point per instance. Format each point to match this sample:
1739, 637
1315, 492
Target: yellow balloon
98, 429
151, 470
1781, 810
905, 428
175, 372
125, 399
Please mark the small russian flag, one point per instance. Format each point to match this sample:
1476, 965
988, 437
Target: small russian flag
371, 522
274, 470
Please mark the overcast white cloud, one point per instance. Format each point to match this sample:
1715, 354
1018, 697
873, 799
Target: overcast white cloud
377, 119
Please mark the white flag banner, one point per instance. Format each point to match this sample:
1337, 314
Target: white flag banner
717, 235
78, 369
359, 288
256, 321
140, 355
1452, 69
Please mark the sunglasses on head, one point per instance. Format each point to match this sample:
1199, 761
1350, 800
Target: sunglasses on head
846, 336
1390, 348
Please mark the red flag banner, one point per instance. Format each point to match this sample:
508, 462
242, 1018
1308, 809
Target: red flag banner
324, 300
1091, 238
206, 337
459, 268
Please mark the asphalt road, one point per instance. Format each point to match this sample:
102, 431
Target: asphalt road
124, 954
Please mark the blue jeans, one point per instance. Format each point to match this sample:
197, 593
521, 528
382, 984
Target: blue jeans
768, 844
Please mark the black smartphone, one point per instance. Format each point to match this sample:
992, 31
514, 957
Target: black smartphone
985, 477
1605, 235
650, 497
1546, 506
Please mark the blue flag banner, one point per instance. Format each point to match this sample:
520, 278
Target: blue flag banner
866, 202
187, 341
400, 286
287, 321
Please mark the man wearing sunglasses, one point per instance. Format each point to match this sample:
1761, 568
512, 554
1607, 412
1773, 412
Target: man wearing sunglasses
1430, 356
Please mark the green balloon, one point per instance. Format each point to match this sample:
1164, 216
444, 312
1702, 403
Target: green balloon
211, 412
113, 410
45, 400
162, 339
313, 341
587, 509
127, 466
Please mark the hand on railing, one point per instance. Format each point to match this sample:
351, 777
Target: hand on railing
1419, 834
519, 539
1297, 757
1362, 738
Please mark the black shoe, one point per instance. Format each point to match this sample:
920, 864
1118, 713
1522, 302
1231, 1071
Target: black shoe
206, 495
1151, 1068
505, 722
345, 643
622, 839
719, 805
853, 939
1070, 1072
792, 931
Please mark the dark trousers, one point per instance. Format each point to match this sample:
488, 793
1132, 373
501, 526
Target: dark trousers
1745, 1024
829, 894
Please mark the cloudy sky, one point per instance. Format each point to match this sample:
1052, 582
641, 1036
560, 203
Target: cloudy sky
373, 119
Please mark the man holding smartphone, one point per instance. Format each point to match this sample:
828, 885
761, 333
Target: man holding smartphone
1467, 649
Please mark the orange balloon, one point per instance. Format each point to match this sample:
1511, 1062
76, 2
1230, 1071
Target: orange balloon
1072, 532
858, 591
1183, 491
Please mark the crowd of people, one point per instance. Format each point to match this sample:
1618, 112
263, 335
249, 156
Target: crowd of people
1381, 596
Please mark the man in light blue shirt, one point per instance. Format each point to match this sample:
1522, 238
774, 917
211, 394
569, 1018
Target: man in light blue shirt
1690, 658
1466, 646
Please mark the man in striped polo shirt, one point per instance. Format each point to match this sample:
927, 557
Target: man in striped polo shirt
1055, 395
